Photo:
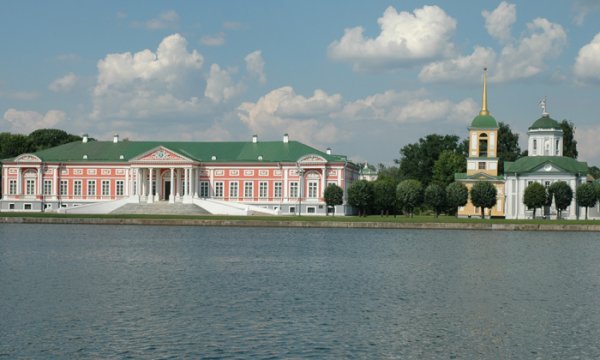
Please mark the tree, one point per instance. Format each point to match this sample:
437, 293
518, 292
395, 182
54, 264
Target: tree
334, 195
12, 145
569, 142
594, 171
448, 163
435, 197
534, 196
391, 173
46, 138
410, 195
360, 196
457, 195
384, 191
416, 160
508, 146
587, 196
562, 194
483, 195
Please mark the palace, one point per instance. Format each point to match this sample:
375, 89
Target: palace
235, 178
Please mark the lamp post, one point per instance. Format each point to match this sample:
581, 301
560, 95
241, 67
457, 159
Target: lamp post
300, 191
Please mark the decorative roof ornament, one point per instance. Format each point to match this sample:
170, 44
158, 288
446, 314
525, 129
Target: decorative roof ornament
484, 109
543, 106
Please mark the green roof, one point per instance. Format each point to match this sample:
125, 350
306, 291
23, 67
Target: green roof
107, 151
545, 122
530, 163
484, 122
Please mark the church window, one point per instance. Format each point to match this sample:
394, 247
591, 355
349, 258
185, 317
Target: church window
534, 146
483, 145
481, 165
557, 145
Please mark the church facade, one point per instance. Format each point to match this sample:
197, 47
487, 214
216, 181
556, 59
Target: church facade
272, 177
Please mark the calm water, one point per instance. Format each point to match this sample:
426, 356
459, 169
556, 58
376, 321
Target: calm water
196, 292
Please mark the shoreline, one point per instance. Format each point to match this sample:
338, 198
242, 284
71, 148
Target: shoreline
303, 224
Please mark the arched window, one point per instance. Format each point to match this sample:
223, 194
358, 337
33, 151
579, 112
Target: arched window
483, 145
534, 146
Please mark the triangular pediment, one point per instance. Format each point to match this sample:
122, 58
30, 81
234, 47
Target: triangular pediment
161, 154
27, 158
312, 158
548, 167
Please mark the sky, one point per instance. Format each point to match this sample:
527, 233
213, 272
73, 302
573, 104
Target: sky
364, 78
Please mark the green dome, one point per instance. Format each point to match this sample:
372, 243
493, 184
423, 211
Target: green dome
545, 122
484, 121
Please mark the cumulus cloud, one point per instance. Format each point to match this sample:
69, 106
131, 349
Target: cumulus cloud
518, 59
499, 22
64, 83
146, 82
405, 38
24, 122
255, 66
305, 119
587, 63
219, 85
166, 20
217, 39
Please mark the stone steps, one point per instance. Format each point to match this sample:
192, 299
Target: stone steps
162, 208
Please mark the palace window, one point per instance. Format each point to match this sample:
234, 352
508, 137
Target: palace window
12, 187
91, 188
277, 189
105, 187
534, 146
47, 187
29, 187
557, 144
248, 189
233, 189
204, 189
219, 189
263, 189
120, 187
294, 189
77, 188
312, 189
63, 187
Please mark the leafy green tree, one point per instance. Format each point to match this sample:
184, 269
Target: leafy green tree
587, 196
391, 173
410, 195
448, 163
562, 194
569, 142
508, 146
47, 138
416, 160
483, 195
594, 171
534, 196
12, 145
435, 197
384, 191
360, 196
457, 195
334, 195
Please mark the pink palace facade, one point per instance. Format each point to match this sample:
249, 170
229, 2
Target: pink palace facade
271, 177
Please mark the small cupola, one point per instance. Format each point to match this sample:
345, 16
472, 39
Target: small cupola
254, 139
116, 138
84, 138
286, 138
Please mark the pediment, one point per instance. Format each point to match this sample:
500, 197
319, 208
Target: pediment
27, 158
312, 158
548, 167
161, 154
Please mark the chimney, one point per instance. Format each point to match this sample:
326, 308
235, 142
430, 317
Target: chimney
116, 138
286, 138
254, 139
85, 138
328, 151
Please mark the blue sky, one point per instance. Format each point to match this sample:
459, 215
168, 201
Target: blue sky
362, 77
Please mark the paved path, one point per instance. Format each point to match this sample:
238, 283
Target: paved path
161, 207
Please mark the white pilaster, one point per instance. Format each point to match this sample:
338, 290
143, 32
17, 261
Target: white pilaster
150, 191
55, 184
40, 186
19, 181
172, 185
127, 184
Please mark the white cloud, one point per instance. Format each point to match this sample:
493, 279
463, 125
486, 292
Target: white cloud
405, 38
217, 39
587, 143
255, 66
64, 83
219, 85
147, 83
587, 64
499, 22
583, 8
520, 59
24, 122
166, 20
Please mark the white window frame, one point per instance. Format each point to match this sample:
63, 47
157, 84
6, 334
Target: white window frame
64, 187
294, 189
91, 185
204, 189
277, 189
248, 189
219, 188
105, 188
234, 189
313, 189
12, 187
120, 187
263, 189
77, 187
30, 187
47, 190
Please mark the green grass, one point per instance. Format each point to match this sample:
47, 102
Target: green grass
371, 218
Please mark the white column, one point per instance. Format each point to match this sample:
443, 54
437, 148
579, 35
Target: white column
5, 177
55, 183
211, 188
172, 185
40, 180
150, 191
158, 185
178, 179
138, 184
19, 181
127, 184
195, 181
323, 182
285, 185
186, 179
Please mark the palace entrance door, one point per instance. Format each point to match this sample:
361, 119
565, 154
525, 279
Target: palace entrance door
167, 189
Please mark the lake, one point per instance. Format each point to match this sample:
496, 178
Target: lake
85, 291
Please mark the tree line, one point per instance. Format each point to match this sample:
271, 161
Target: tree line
12, 145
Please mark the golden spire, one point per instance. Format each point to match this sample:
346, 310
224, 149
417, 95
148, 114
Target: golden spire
484, 110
